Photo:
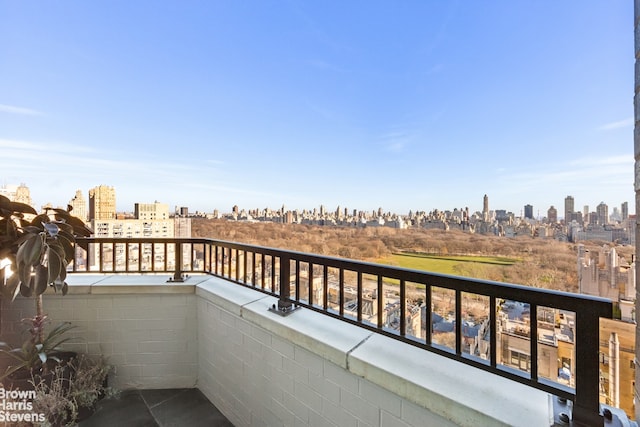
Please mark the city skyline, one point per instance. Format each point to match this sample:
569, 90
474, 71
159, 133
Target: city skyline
404, 107
79, 201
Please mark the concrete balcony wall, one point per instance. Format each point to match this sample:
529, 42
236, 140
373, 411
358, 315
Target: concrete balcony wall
147, 331
308, 369
261, 369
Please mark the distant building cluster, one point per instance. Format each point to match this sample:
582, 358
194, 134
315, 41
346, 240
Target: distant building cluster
575, 226
99, 213
17, 193
619, 227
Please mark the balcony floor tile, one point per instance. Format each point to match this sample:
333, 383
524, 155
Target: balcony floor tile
157, 408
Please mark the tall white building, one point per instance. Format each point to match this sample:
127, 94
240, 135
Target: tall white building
102, 203
79, 206
17, 193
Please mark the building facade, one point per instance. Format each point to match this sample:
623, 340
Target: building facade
102, 203
79, 206
568, 208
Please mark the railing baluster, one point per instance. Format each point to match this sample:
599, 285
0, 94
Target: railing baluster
493, 334
533, 340
325, 287
380, 301
359, 299
310, 284
403, 308
458, 328
341, 293
428, 314
297, 280
262, 271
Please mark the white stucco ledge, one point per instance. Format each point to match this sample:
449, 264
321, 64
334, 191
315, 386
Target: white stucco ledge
227, 295
328, 338
465, 395
129, 284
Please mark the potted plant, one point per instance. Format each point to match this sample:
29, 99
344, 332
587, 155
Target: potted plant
35, 250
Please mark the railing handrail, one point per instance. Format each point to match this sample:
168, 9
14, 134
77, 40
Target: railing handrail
218, 260
567, 300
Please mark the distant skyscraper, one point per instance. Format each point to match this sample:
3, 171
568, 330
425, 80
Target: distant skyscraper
23, 195
102, 203
528, 211
17, 193
552, 215
603, 213
79, 206
485, 208
625, 210
568, 208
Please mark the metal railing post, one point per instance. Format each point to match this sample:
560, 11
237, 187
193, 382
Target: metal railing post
586, 406
285, 306
177, 274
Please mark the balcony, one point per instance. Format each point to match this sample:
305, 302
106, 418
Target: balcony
337, 342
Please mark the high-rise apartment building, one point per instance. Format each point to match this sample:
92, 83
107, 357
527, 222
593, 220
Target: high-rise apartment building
552, 215
79, 206
625, 210
602, 210
102, 203
151, 211
568, 208
528, 211
17, 193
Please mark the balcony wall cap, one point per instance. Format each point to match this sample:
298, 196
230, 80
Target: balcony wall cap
81, 284
227, 295
315, 332
440, 384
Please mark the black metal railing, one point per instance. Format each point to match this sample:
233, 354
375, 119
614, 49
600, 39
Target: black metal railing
513, 331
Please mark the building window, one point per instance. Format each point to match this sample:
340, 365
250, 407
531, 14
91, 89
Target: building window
521, 360
604, 359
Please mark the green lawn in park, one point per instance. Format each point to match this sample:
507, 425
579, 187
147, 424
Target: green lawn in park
442, 263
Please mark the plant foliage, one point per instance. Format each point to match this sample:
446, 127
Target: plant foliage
35, 356
38, 247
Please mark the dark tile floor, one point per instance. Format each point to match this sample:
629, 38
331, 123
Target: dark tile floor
157, 408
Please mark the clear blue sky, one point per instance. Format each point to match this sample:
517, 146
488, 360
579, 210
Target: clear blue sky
362, 104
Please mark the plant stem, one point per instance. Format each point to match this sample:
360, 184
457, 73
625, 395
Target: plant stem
39, 313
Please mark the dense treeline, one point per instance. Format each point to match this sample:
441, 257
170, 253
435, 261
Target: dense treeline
544, 263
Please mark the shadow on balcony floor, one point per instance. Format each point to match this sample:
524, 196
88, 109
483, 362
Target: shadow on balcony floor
162, 408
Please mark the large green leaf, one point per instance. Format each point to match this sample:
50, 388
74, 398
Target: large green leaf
55, 264
42, 275
25, 290
67, 245
23, 208
40, 220
24, 272
5, 203
31, 250
10, 228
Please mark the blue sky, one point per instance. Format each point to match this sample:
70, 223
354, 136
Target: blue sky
362, 104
